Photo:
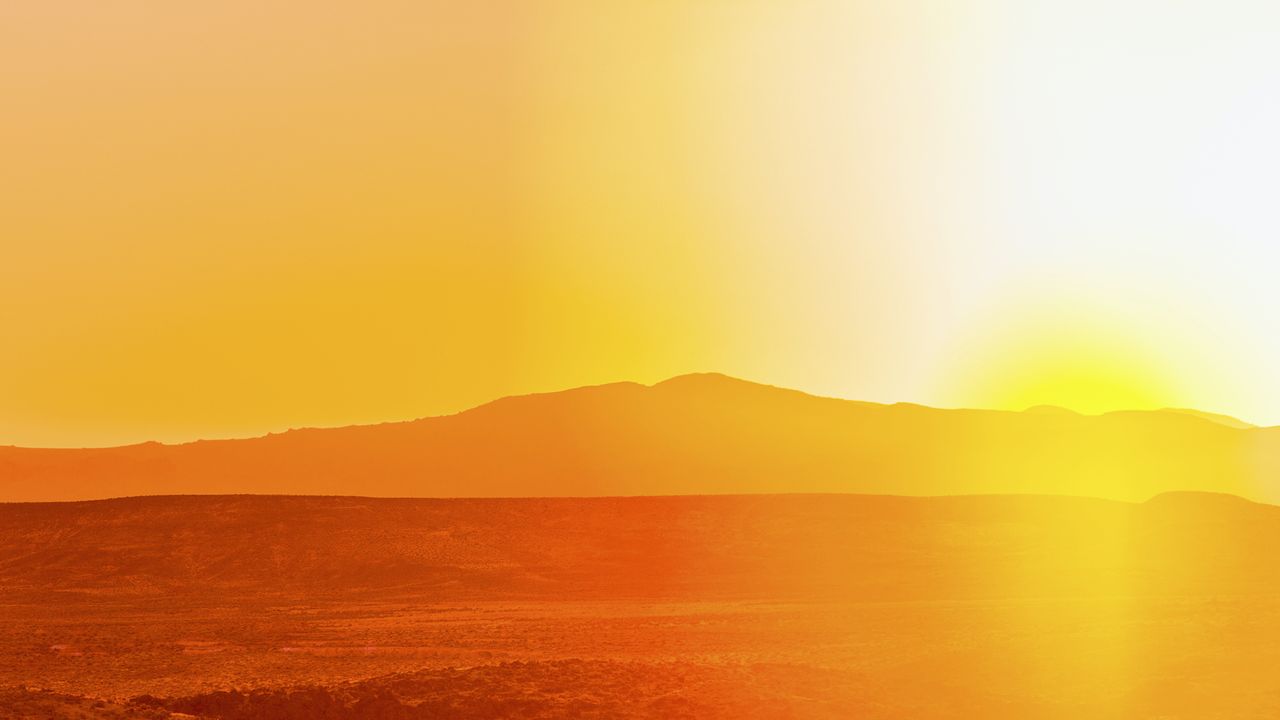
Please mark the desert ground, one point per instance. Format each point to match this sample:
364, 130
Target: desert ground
771, 606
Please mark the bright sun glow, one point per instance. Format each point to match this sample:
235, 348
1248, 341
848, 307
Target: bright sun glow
1077, 359
213, 228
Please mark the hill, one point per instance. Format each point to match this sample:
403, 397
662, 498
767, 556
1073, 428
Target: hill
696, 434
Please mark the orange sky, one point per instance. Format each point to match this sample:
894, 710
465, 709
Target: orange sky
223, 219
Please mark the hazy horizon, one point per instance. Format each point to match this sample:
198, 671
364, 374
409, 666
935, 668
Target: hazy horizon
1202, 413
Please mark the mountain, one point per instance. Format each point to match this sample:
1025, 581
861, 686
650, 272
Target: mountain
693, 434
1214, 417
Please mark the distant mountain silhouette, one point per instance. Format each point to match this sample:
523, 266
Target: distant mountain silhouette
693, 434
1049, 410
1214, 417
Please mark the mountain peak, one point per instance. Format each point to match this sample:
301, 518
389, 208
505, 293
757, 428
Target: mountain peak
705, 379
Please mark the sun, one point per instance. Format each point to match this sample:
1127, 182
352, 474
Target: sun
1088, 363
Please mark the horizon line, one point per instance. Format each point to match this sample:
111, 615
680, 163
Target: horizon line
1204, 415
659, 496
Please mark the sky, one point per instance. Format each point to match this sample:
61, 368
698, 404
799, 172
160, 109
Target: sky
225, 219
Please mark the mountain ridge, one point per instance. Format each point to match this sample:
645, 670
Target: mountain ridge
692, 434
677, 380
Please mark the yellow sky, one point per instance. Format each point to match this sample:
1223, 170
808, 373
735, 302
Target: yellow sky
222, 219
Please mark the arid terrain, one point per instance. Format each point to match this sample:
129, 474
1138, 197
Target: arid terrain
782, 606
